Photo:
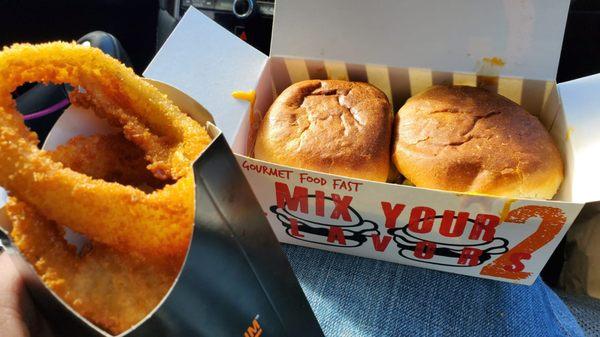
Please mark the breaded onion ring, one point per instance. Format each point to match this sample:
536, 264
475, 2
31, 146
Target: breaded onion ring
112, 289
121, 216
108, 157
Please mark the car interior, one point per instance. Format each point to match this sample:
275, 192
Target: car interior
134, 30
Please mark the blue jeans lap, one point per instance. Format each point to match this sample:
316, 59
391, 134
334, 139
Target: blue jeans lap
355, 297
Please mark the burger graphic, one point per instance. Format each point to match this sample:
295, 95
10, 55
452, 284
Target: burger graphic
322, 226
443, 250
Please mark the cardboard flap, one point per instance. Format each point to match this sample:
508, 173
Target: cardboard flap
207, 62
581, 103
510, 37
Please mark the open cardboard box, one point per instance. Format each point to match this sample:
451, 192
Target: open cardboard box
510, 47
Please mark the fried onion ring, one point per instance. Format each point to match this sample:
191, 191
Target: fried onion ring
108, 157
123, 217
112, 289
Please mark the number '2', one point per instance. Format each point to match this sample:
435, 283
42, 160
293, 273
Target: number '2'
509, 265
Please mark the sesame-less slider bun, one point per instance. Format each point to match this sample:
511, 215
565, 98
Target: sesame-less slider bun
467, 139
336, 127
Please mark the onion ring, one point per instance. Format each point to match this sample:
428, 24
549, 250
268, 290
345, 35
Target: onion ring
121, 216
110, 158
112, 289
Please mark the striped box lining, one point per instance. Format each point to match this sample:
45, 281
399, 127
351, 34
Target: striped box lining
538, 97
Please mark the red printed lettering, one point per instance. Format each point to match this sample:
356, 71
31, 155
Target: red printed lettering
421, 219
320, 203
341, 207
425, 250
336, 234
453, 228
516, 265
294, 228
485, 223
391, 213
509, 264
266, 170
470, 256
380, 244
286, 200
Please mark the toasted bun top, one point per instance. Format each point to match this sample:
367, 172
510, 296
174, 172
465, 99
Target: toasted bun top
468, 139
330, 126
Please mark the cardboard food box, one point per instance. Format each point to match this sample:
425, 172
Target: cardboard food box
580, 273
255, 291
402, 47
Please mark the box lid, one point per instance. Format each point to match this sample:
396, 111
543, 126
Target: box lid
581, 103
207, 62
510, 37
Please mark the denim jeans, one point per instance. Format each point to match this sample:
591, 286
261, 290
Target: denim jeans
354, 297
